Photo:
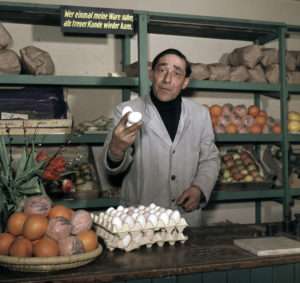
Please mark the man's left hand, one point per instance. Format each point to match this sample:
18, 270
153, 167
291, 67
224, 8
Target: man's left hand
189, 200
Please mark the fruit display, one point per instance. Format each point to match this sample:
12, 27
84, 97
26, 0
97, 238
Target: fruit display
132, 227
293, 122
238, 165
46, 230
100, 124
240, 119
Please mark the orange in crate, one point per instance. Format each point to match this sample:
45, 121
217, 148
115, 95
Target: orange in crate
253, 110
215, 110
231, 129
255, 129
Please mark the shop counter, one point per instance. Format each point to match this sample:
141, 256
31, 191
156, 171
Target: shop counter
209, 255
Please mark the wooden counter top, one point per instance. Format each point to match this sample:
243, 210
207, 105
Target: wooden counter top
208, 249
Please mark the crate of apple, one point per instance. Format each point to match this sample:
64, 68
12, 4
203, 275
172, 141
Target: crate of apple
240, 166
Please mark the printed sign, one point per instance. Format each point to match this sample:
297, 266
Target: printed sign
89, 20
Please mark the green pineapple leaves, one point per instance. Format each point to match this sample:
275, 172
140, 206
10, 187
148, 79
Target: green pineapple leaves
17, 183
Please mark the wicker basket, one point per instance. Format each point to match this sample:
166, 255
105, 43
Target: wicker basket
40, 264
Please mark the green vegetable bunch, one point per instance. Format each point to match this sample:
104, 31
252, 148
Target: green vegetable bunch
20, 178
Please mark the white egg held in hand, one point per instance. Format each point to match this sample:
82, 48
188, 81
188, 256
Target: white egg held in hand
133, 117
126, 109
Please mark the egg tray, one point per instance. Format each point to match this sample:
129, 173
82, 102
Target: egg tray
132, 240
166, 226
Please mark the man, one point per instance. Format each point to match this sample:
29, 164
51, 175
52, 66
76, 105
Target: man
169, 158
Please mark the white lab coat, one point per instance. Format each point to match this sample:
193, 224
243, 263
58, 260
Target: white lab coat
158, 170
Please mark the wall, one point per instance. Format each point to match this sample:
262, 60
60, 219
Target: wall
97, 56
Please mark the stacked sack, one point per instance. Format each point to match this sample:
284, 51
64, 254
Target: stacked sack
132, 227
9, 60
251, 63
32, 60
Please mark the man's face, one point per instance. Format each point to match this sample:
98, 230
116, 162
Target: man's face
168, 77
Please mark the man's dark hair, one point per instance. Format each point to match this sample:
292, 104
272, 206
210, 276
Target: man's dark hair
176, 52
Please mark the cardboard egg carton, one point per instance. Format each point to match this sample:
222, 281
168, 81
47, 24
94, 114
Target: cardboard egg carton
132, 227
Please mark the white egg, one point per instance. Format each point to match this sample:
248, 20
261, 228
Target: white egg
126, 109
117, 222
113, 212
109, 210
152, 206
152, 218
169, 211
123, 216
129, 221
164, 217
126, 241
175, 216
141, 207
134, 117
134, 215
141, 220
120, 208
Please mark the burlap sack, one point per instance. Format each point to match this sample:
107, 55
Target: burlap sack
248, 56
219, 72
272, 73
291, 61
5, 37
269, 56
9, 62
132, 70
239, 74
36, 61
293, 77
199, 71
224, 59
257, 75
296, 55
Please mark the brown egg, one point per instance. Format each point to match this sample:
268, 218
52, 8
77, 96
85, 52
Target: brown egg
60, 210
35, 227
46, 247
16, 222
6, 240
21, 247
89, 240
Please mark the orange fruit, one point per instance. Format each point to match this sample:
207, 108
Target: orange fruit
16, 222
214, 121
276, 129
6, 240
255, 129
60, 210
35, 227
46, 247
262, 113
261, 120
253, 110
215, 110
231, 128
89, 240
21, 247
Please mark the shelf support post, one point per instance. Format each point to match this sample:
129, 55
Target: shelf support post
125, 61
284, 119
144, 83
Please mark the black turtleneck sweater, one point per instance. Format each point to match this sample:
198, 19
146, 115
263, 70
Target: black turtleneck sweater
169, 112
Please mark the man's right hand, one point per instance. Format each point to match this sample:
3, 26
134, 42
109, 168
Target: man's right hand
123, 137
